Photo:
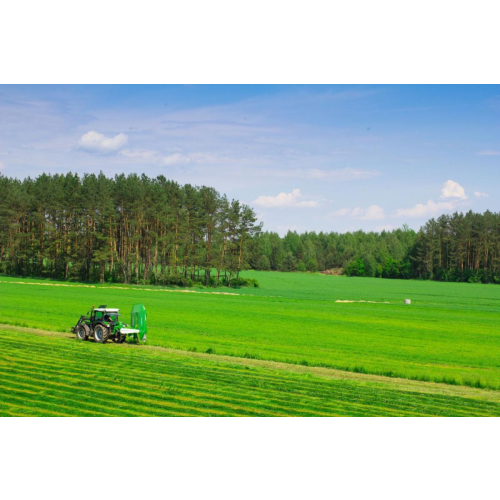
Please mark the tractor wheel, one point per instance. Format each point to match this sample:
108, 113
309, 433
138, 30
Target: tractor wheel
119, 339
101, 334
82, 332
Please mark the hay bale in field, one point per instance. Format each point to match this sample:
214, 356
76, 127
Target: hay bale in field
407, 302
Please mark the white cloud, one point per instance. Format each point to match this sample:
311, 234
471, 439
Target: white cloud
94, 142
452, 189
293, 199
478, 194
373, 212
138, 153
488, 152
430, 208
175, 159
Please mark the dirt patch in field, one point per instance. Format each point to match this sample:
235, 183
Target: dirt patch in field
333, 272
119, 288
365, 301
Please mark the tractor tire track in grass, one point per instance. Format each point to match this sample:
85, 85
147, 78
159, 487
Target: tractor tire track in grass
52, 375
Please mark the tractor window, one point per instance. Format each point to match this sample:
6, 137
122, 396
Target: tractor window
98, 315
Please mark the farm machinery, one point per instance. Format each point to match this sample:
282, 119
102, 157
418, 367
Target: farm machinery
103, 323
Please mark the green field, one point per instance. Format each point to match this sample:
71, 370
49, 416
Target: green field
449, 334
48, 375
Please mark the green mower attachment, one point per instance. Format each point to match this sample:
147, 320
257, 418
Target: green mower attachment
139, 321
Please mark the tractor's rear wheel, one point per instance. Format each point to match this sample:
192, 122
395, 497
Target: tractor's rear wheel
101, 334
82, 332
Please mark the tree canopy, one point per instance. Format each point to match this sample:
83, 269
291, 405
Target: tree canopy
457, 247
130, 229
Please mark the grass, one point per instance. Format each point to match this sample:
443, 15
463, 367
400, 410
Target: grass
52, 376
449, 334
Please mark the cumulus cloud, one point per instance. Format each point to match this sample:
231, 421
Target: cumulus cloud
429, 209
373, 212
478, 194
175, 159
452, 189
452, 192
94, 142
488, 152
282, 200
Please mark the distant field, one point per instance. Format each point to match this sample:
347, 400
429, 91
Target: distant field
449, 334
48, 375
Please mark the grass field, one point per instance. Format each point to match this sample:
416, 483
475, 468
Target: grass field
55, 375
449, 334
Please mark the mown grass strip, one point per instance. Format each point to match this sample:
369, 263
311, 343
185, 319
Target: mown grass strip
45, 370
411, 384
134, 389
441, 403
288, 398
89, 397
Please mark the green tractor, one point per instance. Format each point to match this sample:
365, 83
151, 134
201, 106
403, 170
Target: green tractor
103, 323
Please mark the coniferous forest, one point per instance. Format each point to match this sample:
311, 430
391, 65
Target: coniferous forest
457, 247
134, 229
129, 229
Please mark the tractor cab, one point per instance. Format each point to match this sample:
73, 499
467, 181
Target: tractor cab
105, 315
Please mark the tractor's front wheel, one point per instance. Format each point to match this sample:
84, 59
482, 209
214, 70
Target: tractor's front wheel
82, 332
101, 334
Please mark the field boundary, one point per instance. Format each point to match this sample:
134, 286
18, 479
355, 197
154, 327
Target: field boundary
328, 373
118, 288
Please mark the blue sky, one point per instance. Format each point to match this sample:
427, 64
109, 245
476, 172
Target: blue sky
324, 158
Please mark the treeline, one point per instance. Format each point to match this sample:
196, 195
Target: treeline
130, 229
323, 251
135, 229
458, 247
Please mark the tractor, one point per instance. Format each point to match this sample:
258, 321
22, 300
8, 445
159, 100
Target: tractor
104, 323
